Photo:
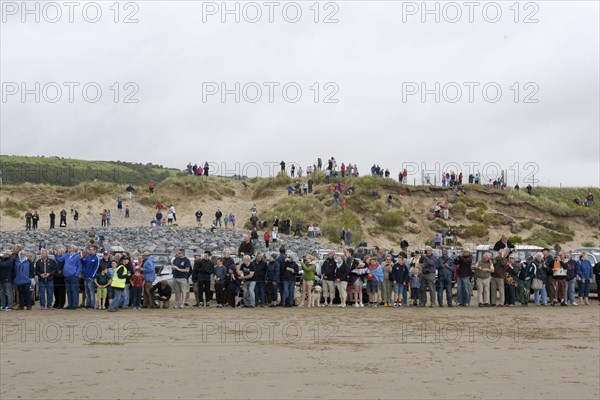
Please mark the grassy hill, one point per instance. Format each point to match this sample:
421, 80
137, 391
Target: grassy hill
70, 172
547, 217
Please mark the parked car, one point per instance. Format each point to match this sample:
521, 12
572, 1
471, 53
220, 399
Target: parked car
162, 267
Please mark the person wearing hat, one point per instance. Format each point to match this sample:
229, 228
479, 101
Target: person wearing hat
149, 272
526, 275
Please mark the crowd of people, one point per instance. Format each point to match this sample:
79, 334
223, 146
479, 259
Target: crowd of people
92, 278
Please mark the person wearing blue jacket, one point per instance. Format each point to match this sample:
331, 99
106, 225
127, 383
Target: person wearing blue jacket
23, 274
149, 272
584, 275
445, 268
273, 279
90, 265
72, 272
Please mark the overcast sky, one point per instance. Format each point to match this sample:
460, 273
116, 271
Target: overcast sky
374, 61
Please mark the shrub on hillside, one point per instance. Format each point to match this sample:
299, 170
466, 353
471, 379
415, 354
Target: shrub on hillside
268, 186
475, 231
338, 221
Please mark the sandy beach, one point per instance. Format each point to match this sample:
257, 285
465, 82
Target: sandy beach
265, 353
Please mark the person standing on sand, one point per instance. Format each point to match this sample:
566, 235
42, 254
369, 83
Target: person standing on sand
585, 272
427, 265
526, 275
72, 272
483, 272
342, 273
118, 285
181, 267
463, 278
260, 277
497, 277
273, 279
309, 268
328, 274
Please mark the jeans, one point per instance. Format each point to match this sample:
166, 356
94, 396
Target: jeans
72, 289
445, 282
46, 293
6, 300
584, 288
570, 294
287, 292
464, 290
404, 294
428, 285
118, 299
260, 292
523, 291
497, 284
510, 295
250, 296
273, 291
90, 292
126, 295
136, 297
387, 291
483, 290
544, 296
24, 295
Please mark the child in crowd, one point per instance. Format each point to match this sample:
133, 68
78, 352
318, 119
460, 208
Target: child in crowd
137, 284
102, 281
415, 284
